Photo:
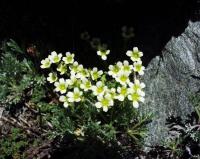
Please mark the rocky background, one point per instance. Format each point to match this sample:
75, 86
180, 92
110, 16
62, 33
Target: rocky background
171, 80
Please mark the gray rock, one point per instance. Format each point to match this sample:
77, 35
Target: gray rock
170, 80
1, 113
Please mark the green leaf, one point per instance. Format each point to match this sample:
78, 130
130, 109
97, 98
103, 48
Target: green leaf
14, 46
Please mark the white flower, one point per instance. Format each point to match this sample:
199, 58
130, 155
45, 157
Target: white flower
137, 87
45, 63
123, 92
135, 55
62, 68
103, 54
135, 98
75, 96
64, 99
104, 102
69, 58
75, 68
139, 68
112, 92
126, 67
52, 77
86, 85
123, 78
99, 89
61, 86
54, 57
72, 80
114, 70
82, 73
95, 74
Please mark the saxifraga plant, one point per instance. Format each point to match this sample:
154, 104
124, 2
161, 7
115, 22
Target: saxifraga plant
13, 145
105, 115
102, 104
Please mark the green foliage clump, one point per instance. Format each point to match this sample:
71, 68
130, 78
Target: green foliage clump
17, 74
13, 144
60, 123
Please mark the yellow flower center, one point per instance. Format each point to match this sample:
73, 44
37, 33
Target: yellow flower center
53, 77
123, 91
103, 53
62, 86
105, 102
136, 87
95, 75
84, 72
123, 78
62, 68
87, 84
56, 59
126, 68
138, 67
75, 68
136, 55
69, 59
47, 64
116, 69
76, 96
135, 97
99, 89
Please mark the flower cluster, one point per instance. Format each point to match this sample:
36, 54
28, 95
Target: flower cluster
77, 82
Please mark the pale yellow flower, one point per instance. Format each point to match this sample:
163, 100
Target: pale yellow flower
46, 63
134, 54
62, 68
135, 98
103, 54
52, 77
54, 57
61, 86
139, 68
104, 102
69, 58
99, 89
95, 74
75, 96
